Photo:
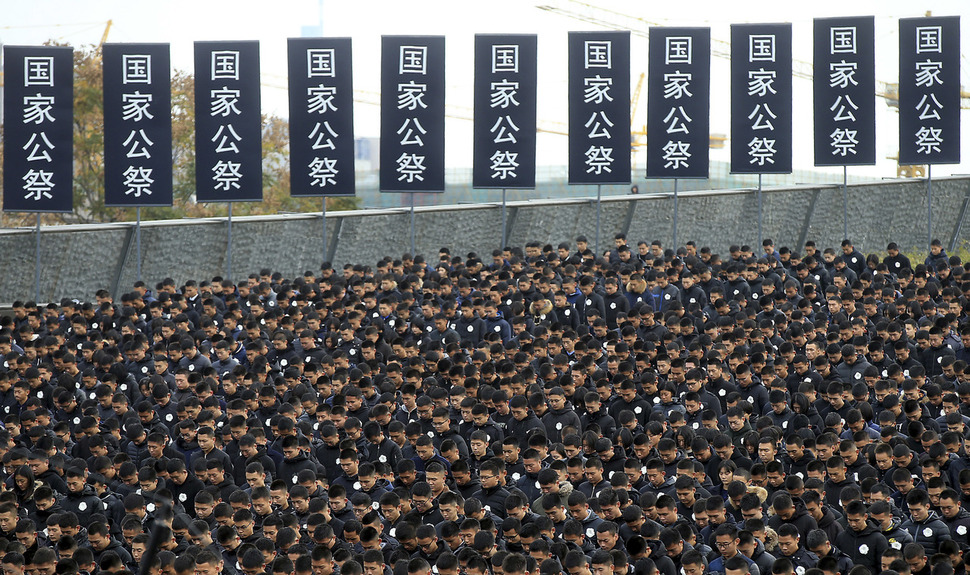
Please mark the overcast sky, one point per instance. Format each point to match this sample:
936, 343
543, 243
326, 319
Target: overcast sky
180, 22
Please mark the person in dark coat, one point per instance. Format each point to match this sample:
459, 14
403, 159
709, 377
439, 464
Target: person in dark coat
924, 525
295, 461
492, 494
792, 511
957, 518
862, 541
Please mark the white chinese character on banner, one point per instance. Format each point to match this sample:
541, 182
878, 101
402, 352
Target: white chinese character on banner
597, 90
37, 109
138, 181
226, 175
676, 154
320, 63
223, 102
599, 130
841, 74
676, 120
38, 184
223, 136
762, 116
36, 153
928, 73
929, 140
225, 65
410, 96
679, 50
320, 99
411, 167
38, 71
761, 150
323, 172
136, 68
412, 134
413, 60
929, 39
134, 106
505, 58
761, 82
139, 144
503, 94
843, 141
599, 54
320, 138
504, 129
845, 109
677, 85
599, 159
503, 165
842, 40
761, 48
929, 107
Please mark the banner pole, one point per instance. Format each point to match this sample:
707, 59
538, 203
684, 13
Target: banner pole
323, 224
138, 241
599, 191
229, 246
845, 202
412, 224
675, 215
760, 239
504, 223
929, 205
37, 264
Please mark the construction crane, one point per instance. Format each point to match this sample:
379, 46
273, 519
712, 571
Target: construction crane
615, 20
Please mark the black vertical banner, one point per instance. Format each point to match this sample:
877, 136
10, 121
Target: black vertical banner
412, 114
137, 125
761, 98
228, 136
505, 111
321, 117
929, 90
679, 103
845, 91
38, 123
599, 107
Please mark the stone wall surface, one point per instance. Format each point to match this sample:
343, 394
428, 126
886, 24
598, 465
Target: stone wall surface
75, 261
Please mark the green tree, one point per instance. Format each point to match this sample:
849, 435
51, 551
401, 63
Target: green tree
89, 159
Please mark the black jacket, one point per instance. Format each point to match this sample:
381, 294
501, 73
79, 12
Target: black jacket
801, 520
863, 548
928, 533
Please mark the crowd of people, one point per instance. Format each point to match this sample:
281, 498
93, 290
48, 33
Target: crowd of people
539, 411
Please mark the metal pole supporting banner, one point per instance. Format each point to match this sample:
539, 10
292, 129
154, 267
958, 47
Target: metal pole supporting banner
599, 191
505, 223
37, 264
412, 225
138, 243
323, 225
929, 206
760, 239
229, 247
675, 215
845, 202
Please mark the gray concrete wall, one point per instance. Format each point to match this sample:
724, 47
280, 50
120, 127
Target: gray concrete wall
78, 260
